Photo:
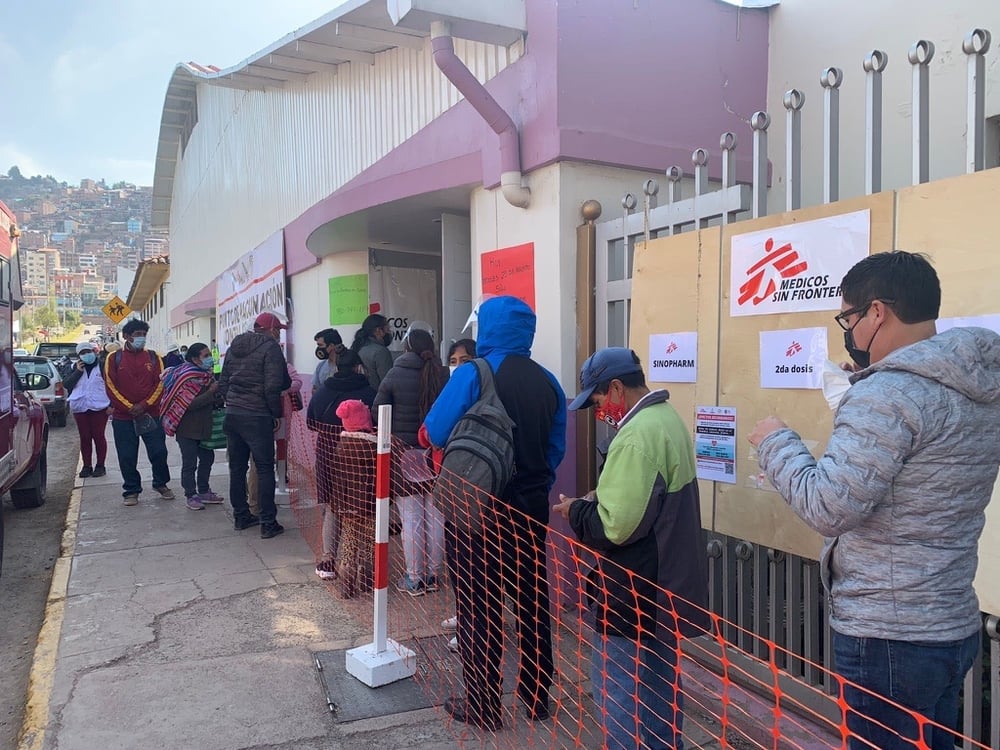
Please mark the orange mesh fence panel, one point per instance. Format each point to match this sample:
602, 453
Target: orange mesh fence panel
554, 647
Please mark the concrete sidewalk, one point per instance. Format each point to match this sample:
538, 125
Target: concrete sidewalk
165, 628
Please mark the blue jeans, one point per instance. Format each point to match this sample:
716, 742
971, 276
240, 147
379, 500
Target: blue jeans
924, 676
127, 448
634, 686
250, 435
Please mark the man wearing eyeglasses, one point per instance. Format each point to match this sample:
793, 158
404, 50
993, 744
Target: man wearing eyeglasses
900, 495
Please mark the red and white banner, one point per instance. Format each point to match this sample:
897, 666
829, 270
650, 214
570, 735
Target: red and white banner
796, 267
252, 285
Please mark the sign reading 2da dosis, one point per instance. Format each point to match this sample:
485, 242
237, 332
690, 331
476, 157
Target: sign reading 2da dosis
796, 267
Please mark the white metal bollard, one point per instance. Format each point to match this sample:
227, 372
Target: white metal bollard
383, 660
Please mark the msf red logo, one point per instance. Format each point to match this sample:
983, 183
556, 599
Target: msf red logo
672, 348
794, 349
783, 262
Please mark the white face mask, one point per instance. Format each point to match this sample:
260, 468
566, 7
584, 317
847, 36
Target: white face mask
835, 384
452, 368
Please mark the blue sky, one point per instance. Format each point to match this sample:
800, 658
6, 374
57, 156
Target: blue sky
86, 79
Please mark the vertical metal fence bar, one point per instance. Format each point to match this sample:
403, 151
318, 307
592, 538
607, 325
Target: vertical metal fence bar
972, 703
830, 80
975, 45
777, 602
714, 553
761, 597
828, 644
993, 631
730, 585
874, 63
812, 623
793, 611
793, 102
920, 56
759, 123
674, 175
728, 145
649, 190
743, 552
700, 160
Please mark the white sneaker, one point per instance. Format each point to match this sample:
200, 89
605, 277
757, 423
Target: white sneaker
453, 644
450, 624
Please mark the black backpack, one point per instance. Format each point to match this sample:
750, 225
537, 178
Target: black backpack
478, 457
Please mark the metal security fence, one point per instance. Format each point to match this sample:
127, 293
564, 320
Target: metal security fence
761, 592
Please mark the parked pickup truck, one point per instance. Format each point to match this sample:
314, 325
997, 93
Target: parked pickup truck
24, 427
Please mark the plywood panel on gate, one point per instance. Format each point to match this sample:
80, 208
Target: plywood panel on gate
762, 516
675, 288
956, 223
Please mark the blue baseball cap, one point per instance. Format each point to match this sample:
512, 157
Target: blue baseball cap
602, 366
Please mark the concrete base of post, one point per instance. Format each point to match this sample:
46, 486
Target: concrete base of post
377, 669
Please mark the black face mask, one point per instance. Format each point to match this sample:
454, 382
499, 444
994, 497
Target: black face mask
387, 339
861, 357
321, 353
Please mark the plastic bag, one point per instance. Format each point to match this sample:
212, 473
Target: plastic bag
836, 381
145, 424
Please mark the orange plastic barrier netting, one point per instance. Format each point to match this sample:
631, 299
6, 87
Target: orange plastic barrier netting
522, 595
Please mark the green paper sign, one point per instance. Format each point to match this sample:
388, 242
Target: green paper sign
348, 299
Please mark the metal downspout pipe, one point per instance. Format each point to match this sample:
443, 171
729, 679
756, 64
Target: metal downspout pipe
476, 94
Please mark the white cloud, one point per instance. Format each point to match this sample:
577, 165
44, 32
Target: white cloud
12, 156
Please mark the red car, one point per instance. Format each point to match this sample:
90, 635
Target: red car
24, 428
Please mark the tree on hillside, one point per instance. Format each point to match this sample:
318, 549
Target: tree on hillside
45, 317
15, 173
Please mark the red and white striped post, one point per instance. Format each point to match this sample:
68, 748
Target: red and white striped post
383, 465
383, 660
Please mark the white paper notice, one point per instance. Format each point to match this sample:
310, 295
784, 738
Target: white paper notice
673, 357
793, 358
976, 321
796, 267
715, 443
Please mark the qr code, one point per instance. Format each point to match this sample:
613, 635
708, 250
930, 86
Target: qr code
730, 468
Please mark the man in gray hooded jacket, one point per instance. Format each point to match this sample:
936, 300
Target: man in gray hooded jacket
900, 495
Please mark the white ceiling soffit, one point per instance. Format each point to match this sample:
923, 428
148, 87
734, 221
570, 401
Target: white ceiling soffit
752, 3
500, 22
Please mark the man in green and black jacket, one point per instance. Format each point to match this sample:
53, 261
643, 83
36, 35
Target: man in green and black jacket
651, 581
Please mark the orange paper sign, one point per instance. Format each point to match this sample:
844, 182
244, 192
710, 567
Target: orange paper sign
511, 271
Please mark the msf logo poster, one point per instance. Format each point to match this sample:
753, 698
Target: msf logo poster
797, 267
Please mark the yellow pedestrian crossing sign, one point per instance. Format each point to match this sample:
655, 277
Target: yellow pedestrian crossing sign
116, 310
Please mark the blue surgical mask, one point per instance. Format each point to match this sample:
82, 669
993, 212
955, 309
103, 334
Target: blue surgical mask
208, 363
88, 358
139, 342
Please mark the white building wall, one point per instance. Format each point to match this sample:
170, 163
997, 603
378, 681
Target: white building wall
310, 313
809, 36
557, 193
257, 159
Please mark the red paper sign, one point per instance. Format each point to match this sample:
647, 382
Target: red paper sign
510, 271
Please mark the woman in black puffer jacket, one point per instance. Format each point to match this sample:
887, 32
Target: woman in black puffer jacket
415, 380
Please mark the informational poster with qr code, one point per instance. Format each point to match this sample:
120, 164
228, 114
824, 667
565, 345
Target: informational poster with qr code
715, 443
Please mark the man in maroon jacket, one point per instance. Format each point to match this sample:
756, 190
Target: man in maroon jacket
132, 377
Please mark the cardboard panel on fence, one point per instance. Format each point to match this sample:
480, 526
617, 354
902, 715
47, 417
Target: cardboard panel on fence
675, 289
797, 275
954, 222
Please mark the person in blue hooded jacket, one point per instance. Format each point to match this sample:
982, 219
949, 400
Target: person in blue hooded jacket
513, 560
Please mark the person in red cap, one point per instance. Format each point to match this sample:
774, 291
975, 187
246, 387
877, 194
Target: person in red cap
254, 375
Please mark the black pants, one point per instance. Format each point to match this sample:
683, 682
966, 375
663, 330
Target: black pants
196, 466
127, 448
248, 435
510, 560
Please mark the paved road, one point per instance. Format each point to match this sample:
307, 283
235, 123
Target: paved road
31, 545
